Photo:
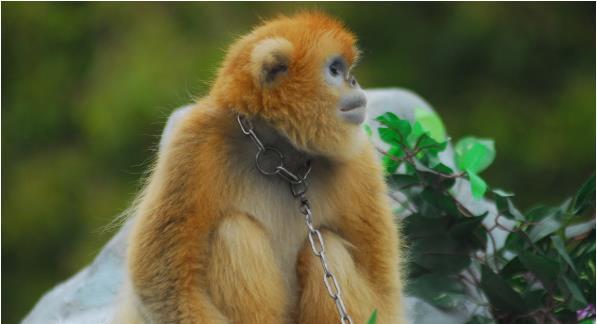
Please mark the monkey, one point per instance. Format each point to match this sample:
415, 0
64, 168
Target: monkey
216, 241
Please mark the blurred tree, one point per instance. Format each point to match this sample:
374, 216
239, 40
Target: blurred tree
86, 89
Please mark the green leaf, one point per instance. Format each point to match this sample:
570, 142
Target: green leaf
466, 226
440, 254
499, 292
561, 248
400, 181
469, 232
399, 126
428, 144
442, 168
545, 269
474, 154
503, 193
511, 268
585, 197
505, 206
439, 203
416, 132
389, 136
431, 122
547, 225
478, 185
574, 291
373, 317
540, 212
367, 129
417, 227
584, 247
478, 239
391, 164
533, 299
423, 139
436, 180
441, 291
388, 118
516, 242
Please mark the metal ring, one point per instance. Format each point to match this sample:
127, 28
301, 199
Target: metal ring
310, 226
287, 175
298, 189
340, 305
256, 140
305, 208
335, 291
312, 235
307, 169
260, 155
323, 259
244, 128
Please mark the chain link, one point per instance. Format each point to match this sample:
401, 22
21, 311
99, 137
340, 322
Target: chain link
298, 189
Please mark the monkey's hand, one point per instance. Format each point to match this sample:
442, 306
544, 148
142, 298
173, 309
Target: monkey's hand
243, 277
315, 304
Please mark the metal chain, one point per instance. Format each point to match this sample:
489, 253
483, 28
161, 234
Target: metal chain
298, 189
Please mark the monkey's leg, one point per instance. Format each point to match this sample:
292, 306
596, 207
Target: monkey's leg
244, 280
166, 270
377, 254
315, 304
367, 223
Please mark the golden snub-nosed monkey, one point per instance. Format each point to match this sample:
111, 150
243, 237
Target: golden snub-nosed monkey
216, 241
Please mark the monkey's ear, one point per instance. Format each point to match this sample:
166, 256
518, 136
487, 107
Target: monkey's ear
270, 60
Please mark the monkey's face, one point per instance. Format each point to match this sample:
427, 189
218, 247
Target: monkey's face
352, 103
296, 73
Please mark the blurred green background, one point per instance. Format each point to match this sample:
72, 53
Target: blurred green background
86, 89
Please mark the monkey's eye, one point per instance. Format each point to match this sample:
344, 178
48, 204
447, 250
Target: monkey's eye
335, 69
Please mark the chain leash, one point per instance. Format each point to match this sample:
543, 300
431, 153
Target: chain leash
298, 189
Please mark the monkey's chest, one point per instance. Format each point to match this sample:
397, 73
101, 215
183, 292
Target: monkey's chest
274, 207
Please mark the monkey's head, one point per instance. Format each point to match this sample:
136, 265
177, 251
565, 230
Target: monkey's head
295, 72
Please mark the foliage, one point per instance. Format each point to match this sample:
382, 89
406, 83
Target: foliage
545, 270
373, 318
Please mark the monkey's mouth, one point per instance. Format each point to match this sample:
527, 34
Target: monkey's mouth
354, 114
345, 109
360, 103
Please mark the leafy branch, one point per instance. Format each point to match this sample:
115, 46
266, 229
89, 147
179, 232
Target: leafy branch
543, 272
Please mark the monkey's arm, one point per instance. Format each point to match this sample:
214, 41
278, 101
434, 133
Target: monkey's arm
165, 266
242, 278
169, 243
363, 250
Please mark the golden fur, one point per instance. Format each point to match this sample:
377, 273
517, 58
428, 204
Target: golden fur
214, 241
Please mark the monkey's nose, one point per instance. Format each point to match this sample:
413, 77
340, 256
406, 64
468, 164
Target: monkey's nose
353, 101
352, 81
352, 107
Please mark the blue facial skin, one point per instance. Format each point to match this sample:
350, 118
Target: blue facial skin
352, 106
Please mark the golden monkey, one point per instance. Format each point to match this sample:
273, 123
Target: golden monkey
216, 241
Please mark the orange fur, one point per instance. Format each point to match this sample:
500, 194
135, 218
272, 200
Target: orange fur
216, 242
